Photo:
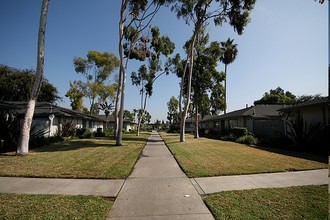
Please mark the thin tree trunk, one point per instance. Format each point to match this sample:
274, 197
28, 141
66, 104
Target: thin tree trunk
23, 142
182, 125
196, 122
143, 112
225, 110
117, 105
191, 64
122, 77
121, 112
140, 115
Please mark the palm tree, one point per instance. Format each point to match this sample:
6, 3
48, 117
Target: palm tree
229, 53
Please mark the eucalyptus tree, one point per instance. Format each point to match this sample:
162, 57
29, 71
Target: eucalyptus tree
229, 53
217, 94
173, 114
76, 95
135, 16
204, 70
199, 12
97, 69
23, 141
145, 77
106, 100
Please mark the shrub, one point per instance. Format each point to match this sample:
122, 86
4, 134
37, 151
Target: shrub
68, 128
247, 139
213, 133
238, 131
80, 131
9, 127
305, 135
109, 132
42, 141
229, 137
99, 133
86, 134
174, 128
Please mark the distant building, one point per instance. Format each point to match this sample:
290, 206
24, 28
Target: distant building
49, 117
316, 111
263, 121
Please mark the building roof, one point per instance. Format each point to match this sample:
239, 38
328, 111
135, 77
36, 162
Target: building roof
6, 105
320, 101
44, 109
257, 111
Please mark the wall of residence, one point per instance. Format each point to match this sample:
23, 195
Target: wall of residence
267, 129
50, 127
315, 114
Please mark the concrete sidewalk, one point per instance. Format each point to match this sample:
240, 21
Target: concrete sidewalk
158, 189
208, 185
106, 188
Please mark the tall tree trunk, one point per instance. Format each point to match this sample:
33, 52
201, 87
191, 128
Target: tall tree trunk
122, 77
196, 121
225, 111
119, 138
182, 125
117, 105
142, 113
186, 107
23, 142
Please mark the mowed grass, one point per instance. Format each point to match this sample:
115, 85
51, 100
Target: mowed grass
207, 157
302, 202
13, 206
81, 158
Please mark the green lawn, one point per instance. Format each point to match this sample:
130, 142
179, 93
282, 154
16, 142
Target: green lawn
207, 157
14, 206
80, 158
302, 202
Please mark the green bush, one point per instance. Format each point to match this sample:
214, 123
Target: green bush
109, 132
42, 141
238, 131
83, 133
80, 131
247, 139
99, 133
228, 137
68, 128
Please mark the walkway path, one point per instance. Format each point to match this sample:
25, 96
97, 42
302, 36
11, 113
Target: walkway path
208, 185
158, 189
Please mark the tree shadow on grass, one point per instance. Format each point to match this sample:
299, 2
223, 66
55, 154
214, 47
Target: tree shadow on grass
73, 145
87, 143
302, 155
82, 143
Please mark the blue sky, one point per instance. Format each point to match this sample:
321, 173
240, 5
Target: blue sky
286, 45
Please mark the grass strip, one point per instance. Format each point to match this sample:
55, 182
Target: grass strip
302, 202
207, 157
16, 206
81, 158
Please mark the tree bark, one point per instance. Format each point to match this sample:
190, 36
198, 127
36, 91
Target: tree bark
225, 111
186, 107
23, 142
122, 79
196, 121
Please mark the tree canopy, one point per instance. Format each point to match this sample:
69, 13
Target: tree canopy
199, 12
97, 69
277, 96
16, 84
